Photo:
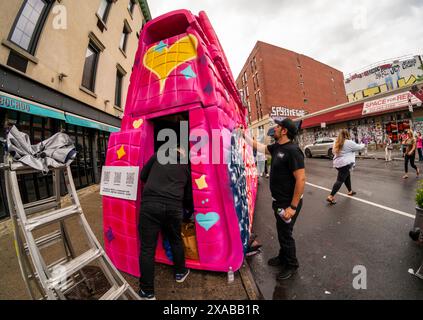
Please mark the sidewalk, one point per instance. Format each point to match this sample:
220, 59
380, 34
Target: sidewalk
200, 285
380, 155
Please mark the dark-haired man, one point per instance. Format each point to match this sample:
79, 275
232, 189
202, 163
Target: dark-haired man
287, 181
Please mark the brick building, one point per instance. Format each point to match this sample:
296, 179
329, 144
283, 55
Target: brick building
293, 83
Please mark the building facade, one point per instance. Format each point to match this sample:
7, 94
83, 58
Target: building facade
65, 66
279, 82
375, 118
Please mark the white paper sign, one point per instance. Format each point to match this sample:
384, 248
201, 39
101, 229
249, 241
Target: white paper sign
120, 182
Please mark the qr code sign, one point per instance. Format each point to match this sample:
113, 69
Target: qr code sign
130, 179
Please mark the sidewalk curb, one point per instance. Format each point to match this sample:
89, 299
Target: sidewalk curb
6, 226
377, 158
249, 283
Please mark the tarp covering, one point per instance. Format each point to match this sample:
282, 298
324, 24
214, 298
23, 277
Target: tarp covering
52, 152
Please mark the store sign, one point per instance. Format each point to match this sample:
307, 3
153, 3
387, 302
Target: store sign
120, 182
285, 112
390, 103
11, 103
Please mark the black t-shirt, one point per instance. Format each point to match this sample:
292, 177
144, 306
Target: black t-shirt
286, 158
168, 183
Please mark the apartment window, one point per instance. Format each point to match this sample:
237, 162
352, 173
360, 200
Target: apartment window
131, 6
90, 67
118, 89
252, 66
103, 13
255, 63
124, 36
305, 101
244, 78
247, 92
29, 23
254, 82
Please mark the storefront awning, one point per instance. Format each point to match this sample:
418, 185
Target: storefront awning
346, 114
14, 103
84, 122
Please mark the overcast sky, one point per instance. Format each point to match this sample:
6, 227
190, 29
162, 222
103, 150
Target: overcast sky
347, 35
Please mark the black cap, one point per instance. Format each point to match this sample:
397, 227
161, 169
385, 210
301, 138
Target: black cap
291, 126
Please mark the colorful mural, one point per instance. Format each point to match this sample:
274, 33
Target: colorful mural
384, 78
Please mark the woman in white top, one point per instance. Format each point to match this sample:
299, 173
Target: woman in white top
344, 159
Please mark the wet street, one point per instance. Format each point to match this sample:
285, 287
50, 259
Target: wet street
369, 230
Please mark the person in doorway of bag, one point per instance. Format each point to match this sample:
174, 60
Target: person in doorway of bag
167, 190
388, 149
287, 181
344, 150
410, 153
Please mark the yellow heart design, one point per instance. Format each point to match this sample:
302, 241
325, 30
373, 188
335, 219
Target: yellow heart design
164, 62
137, 123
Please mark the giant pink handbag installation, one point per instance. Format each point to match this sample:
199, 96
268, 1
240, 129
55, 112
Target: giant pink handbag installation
181, 72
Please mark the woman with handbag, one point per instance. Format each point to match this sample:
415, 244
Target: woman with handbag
388, 149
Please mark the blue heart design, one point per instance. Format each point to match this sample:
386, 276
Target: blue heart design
207, 220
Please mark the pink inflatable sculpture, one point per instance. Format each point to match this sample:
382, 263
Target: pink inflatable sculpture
181, 72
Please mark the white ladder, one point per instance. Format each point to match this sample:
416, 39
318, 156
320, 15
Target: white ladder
54, 281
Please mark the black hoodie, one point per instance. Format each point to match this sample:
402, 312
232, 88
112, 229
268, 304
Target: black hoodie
167, 183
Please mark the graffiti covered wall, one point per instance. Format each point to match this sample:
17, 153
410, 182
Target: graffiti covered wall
384, 78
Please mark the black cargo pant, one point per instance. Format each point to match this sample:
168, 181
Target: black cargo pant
156, 216
287, 251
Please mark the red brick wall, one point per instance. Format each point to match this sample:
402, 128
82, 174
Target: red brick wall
279, 81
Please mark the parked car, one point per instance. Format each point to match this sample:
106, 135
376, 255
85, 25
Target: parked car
322, 147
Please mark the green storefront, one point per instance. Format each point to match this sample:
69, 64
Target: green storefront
41, 122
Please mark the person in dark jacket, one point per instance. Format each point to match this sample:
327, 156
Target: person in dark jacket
167, 191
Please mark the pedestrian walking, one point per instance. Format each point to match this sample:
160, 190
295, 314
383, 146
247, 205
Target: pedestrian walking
365, 140
261, 163
410, 153
167, 188
344, 150
388, 148
420, 146
403, 138
287, 181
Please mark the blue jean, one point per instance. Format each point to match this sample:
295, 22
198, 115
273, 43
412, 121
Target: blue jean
156, 216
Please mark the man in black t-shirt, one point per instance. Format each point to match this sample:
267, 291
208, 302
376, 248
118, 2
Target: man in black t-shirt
287, 181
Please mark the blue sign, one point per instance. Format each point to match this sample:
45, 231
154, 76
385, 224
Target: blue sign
22, 106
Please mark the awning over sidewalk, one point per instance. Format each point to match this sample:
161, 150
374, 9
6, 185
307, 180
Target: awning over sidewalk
84, 122
10, 102
339, 115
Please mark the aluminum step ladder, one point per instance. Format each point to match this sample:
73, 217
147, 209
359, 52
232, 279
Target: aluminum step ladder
56, 280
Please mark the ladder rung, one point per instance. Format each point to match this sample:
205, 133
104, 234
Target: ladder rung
21, 168
46, 240
115, 293
74, 265
51, 217
51, 266
41, 205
